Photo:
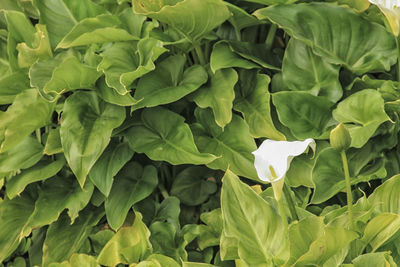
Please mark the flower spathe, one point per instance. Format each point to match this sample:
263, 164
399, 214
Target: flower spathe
391, 10
273, 158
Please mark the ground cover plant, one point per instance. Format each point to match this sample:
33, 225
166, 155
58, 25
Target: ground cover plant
199, 133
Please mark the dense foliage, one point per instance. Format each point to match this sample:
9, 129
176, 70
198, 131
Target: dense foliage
127, 130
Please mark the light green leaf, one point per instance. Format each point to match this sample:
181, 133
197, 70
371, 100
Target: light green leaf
223, 57
192, 187
314, 244
63, 238
13, 216
82, 260
256, 110
123, 63
22, 156
271, 2
61, 16
64, 194
109, 164
374, 260
371, 47
128, 245
380, 229
187, 16
87, 123
210, 234
132, 184
196, 264
233, 145
11, 85
302, 70
28, 109
304, 114
219, 94
253, 222
20, 30
39, 49
39, 172
53, 143
386, 196
62, 74
101, 29
365, 110
111, 96
164, 136
159, 260
169, 82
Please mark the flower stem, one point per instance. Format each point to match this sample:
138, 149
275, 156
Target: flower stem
290, 202
269, 41
283, 215
348, 188
277, 187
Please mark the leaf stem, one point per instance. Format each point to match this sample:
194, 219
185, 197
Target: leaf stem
200, 54
269, 41
290, 202
38, 135
348, 188
163, 191
238, 34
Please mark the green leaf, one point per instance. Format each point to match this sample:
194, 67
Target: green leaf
168, 211
365, 110
192, 185
128, 245
233, 145
11, 85
61, 16
64, 194
163, 135
101, 29
28, 109
240, 19
253, 222
304, 114
386, 196
63, 238
328, 174
109, 164
314, 244
87, 123
132, 184
53, 143
380, 229
192, 18
123, 63
62, 74
256, 110
22, 156
196, 264
169, 82
210, 234
219, 94
39, 172
371, 47
302, 70
13, 216
78, 260
223, 57
163, 238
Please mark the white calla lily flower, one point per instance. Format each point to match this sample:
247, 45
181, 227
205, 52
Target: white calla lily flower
273, 158
391, 10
